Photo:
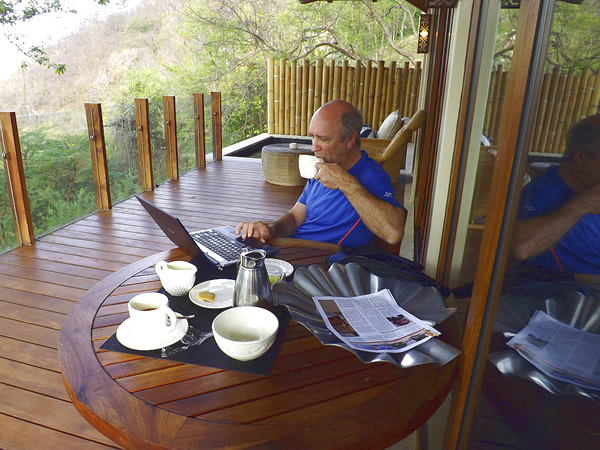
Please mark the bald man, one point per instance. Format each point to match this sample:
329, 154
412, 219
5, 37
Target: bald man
351, 199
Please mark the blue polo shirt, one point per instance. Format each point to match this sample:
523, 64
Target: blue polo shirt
578, 251
330, 217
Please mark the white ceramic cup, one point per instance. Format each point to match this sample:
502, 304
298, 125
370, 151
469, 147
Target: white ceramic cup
151, 314
177, 277
306, 164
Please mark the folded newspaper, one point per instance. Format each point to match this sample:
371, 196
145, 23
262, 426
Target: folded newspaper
373, 322
560, 351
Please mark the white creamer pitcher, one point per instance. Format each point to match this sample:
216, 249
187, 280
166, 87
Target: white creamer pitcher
177, 277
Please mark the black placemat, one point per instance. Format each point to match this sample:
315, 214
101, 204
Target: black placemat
208, 353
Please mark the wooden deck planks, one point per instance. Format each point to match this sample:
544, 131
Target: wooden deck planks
40, 284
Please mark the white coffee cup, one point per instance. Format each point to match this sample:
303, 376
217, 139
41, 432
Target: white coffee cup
177, 277
306, 164
151, 314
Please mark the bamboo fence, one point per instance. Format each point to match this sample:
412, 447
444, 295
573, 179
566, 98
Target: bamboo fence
565, 99
296, 89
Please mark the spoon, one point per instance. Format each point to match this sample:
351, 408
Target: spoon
181, 316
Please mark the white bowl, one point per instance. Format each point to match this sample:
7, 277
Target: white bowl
245, 332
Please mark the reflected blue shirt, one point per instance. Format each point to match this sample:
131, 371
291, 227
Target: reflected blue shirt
578, 250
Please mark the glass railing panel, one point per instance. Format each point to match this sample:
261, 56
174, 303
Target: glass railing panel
121, 151
8, 239
157, 141
57, 166
186, 148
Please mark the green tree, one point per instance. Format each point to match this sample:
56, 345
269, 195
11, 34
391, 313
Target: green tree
227, 44
573, 41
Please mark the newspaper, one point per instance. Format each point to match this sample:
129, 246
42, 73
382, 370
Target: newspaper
560, 351
373, 322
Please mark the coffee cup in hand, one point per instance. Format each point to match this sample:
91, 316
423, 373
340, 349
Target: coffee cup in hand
307, 165
151, 314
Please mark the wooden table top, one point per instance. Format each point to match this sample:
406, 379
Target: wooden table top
316, 396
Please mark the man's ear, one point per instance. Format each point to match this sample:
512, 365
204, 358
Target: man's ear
352, 140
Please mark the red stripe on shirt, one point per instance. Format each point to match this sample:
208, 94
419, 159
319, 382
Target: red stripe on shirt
349, 231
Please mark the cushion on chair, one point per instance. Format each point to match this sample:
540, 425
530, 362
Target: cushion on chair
366, 132
390, 126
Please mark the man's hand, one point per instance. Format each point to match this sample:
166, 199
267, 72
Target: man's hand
257, 230
333, 176
537, 234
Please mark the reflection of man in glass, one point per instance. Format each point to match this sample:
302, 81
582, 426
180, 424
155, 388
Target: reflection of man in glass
559, 212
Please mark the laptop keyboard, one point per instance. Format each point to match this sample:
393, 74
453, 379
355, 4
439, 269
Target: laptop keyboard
216, 242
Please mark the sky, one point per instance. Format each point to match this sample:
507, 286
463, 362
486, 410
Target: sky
49, 29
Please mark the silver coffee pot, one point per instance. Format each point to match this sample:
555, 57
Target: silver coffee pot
252, 287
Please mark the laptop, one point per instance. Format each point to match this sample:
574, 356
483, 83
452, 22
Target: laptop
219, 245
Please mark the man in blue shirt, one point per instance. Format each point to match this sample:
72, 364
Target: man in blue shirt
350, 200
558, 226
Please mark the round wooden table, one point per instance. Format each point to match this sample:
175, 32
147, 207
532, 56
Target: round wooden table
316, 396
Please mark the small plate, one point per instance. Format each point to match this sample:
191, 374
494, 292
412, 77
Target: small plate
126, 335
223, 290
283, 266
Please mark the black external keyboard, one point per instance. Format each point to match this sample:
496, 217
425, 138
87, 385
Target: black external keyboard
216, 242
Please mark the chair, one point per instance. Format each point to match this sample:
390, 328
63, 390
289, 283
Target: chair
391, 153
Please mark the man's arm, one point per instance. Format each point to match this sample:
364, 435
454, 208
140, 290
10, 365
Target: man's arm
285, 226
537, 234
385, 220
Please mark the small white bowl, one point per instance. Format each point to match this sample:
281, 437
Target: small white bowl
245, 332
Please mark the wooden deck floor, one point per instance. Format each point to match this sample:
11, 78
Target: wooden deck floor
40, 284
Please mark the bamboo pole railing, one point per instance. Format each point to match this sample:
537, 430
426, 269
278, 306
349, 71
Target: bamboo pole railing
564, 99
295, 90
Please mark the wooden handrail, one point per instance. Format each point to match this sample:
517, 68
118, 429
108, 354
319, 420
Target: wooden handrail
10, 148
142, 123
93, 114
170, 123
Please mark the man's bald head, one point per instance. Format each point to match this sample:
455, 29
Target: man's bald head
351, 119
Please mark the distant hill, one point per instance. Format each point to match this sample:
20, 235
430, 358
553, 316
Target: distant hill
98, 58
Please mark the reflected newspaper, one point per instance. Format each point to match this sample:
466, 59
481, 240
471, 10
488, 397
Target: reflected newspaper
560, 351
373, 322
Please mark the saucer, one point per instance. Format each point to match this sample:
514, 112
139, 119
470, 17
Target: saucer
283, 266
126, 335
221, 288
